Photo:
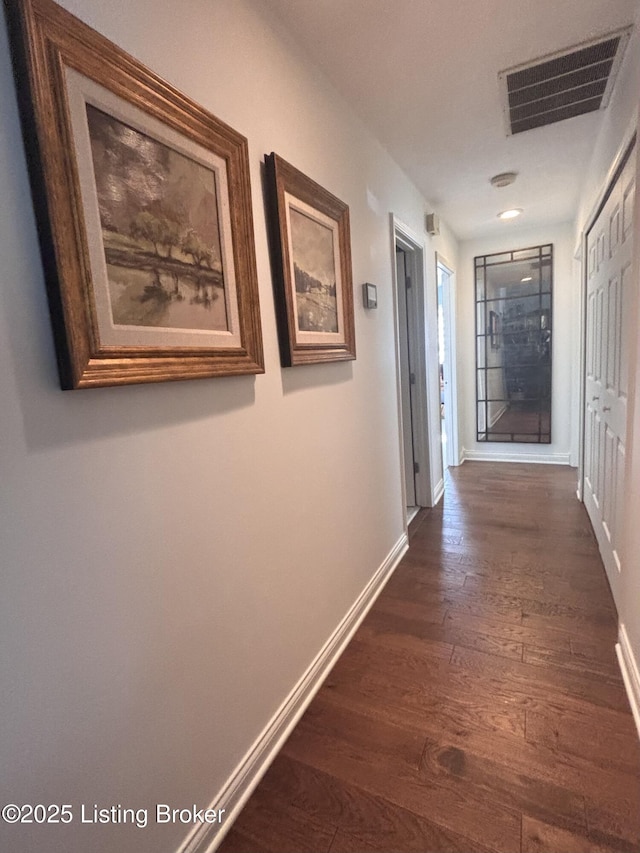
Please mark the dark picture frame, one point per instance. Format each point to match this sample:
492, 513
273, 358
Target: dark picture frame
311, 260
143, 204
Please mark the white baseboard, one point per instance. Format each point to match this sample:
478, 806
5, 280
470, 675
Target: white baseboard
247, 775
630, 673
412, 511
510, 456
438, 492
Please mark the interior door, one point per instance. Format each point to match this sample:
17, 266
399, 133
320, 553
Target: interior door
407, 377
609, 251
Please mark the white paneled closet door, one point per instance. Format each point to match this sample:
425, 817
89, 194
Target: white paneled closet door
609, 283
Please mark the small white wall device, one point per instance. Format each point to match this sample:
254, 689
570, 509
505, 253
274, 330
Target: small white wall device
369, 295
433, 224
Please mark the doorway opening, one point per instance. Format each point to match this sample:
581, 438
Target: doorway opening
420, 461
408, 353
446, 364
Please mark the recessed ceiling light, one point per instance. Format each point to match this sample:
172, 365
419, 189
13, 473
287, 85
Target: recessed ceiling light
527, 278
510, 214
503, 179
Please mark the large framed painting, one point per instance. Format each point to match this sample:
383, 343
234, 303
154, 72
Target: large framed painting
311, 248
144, 212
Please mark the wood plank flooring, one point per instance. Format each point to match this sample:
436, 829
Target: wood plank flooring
480, 706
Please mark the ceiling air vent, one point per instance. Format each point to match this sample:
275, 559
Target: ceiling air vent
562, 85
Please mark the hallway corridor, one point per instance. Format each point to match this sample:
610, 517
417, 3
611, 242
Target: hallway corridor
480, 706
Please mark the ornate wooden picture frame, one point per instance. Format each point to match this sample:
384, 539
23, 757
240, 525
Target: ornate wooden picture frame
311, 250
143, 204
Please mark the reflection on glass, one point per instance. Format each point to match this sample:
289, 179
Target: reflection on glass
480, 352
513, 345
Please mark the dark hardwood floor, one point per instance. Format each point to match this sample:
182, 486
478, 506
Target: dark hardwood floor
480, 706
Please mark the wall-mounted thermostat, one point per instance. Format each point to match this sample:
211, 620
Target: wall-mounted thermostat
370, 295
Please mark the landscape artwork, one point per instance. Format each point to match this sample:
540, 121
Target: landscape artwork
160, 230
311, 256
314, 265
144, 208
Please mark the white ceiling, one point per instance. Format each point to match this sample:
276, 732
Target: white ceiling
423, 75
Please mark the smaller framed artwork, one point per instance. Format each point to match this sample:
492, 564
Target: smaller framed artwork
369, 295
311, 255
144, 212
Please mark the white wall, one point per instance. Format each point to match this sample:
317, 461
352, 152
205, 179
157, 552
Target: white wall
564, 353
618, 123
174, 556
